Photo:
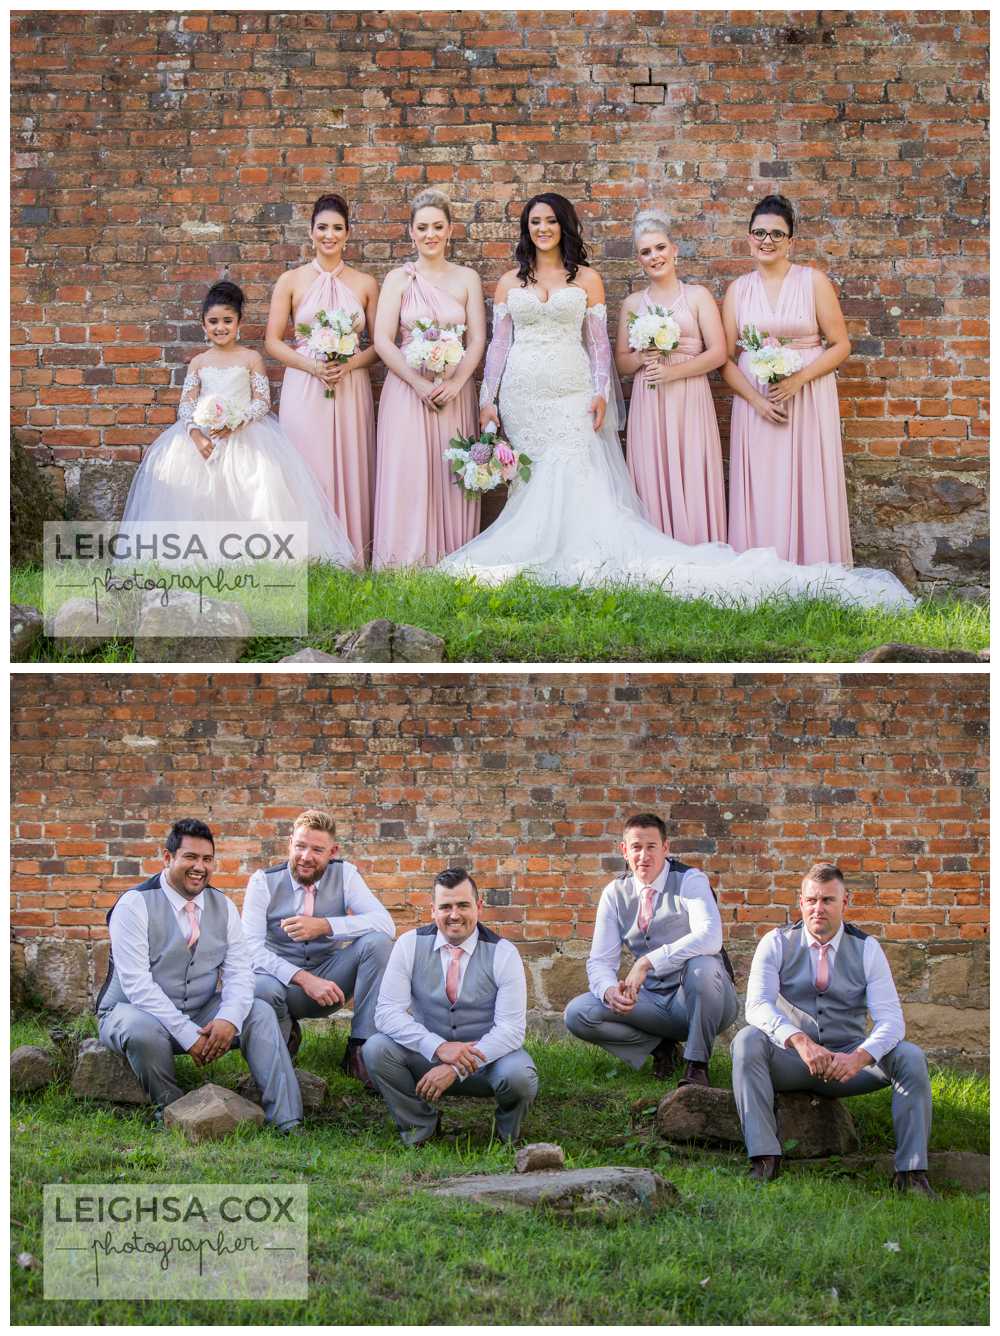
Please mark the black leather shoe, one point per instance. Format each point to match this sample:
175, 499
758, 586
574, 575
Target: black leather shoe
666, 1059
427, 1140
354, 1065
695, 1073
294, 1040
765, 1168
913, 1180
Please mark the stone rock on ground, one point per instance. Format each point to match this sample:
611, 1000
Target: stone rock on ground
59, 974
539, 1155
382, 641
314, 1089
103, 1075
895, 652
31, 1068
75, 621
818, 1126
189, 630
210, 1113
26, 629
965, 1169
99, 490
310, 655
579, 1194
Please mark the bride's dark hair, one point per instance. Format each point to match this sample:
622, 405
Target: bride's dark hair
571, 247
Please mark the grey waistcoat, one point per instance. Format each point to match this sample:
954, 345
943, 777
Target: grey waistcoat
837, 1019
329, 904
472, 1015
669, 924
189, 978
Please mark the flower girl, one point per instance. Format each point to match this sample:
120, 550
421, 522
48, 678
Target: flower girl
226, 458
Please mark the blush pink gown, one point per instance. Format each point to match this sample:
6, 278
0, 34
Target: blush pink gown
786, 483
674, 451
336, 437
420, 514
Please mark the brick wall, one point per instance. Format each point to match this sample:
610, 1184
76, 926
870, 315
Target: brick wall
155, 150
527, 778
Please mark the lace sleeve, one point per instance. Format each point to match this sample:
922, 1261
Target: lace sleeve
260, 404
496, 355
595, 340
189, 398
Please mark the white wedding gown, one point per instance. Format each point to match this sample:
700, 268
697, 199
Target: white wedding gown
578, 520
253, 474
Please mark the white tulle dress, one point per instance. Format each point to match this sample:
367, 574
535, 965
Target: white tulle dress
255, 473
578, 520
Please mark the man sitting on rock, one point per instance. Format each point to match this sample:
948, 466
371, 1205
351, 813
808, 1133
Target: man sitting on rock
317, 936
681, 985
812, 986
451, 1016
172, 938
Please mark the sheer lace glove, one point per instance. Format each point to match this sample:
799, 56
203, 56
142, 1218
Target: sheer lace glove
595, 341
496, 356
260, 403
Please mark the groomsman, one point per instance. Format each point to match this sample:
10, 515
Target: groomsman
172, 937
812, 986
681, 985
451, 1016
317, 936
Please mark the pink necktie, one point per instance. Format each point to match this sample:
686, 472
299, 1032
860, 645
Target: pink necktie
822, 967
308, 900
646, 912
194, 932
454, 974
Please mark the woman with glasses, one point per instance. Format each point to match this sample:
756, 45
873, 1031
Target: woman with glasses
786, 468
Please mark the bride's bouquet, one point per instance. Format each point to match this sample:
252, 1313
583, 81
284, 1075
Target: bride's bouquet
330, 337
480, 463
435, 348
769, 362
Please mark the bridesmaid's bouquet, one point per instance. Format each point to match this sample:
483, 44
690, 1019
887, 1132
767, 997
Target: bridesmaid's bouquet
330, 337
434, 348
480, 463
654, 329
769, 362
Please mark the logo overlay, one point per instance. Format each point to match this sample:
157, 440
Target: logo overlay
175, 579
176, 1241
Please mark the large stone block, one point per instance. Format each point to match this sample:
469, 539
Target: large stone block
382, 641
102, 1075
310, 655
82, 627
59, 973
210, 1113
945, 1032
31, 1068
817, 1126
313, 1088
26, 629
191, 630
98, 489
562, 978
539, 1155
587, 1195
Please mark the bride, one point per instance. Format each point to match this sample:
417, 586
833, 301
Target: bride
578, 520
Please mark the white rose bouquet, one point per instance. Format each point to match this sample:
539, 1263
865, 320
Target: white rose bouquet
653, 330
435, 349
769, 362
330, 336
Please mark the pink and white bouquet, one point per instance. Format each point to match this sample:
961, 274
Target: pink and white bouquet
655, 328
769, 362
480, 463
214, 412
435, 348
330, 336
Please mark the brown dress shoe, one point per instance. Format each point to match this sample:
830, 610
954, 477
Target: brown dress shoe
913, 1180
354, 1065
294, 1039
765, 1168
695, 1073
666, 1059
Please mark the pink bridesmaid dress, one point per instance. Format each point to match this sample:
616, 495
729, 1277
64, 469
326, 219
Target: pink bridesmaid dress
420, 514
786, 483
674, 451
336, 437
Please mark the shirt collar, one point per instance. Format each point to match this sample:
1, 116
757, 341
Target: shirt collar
468, 946
179, 901
658, 884
833, 943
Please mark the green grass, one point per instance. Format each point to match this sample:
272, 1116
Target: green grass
524, 622
808, 1249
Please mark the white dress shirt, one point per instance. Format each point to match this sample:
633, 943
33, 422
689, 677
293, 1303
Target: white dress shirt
881, 996
704, 939
392, 1013
129, 929
364, 914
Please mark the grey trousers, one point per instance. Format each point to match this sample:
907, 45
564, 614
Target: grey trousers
701, 1006
511, 1080
357, 971
149, 1049
760, 1068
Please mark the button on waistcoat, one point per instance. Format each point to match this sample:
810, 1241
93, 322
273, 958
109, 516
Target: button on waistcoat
472, 1015
283, 903
837, 1017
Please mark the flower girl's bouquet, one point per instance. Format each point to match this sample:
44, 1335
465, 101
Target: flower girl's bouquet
769, 362
480, 463
214, 412
435, 348
330, 337
654, 329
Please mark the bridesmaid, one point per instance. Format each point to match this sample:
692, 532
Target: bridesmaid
420, 514
674, 451
335, 436
786, 468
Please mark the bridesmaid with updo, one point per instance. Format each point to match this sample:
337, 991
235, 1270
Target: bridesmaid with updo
786, 467
674, 451
335, 435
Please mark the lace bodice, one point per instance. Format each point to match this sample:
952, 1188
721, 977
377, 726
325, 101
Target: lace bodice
562, 329
248, 390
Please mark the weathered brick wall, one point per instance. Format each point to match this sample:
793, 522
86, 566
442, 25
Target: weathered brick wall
527, 778
154, 150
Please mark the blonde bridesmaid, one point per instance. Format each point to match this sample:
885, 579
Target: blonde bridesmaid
336, 436
674, 451
786, 467
420, 513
